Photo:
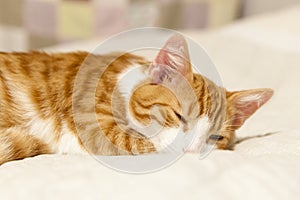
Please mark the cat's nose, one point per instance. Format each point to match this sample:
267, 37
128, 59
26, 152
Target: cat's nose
185, 128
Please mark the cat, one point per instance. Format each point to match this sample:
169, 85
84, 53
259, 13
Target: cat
41, 93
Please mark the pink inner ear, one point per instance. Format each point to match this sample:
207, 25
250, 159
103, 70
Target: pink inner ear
174, 56
244, 111
248, 102
248, 108
159, 73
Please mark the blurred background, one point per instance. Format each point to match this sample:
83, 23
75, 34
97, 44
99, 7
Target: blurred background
31, 24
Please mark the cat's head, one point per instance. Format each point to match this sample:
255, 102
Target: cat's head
179, 100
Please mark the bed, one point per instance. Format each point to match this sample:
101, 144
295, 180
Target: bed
261, 51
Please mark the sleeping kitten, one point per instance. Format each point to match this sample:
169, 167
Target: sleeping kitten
42, 112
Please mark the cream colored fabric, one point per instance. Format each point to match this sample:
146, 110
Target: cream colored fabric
263, 51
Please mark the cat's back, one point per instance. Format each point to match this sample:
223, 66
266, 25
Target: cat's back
35, 64
35, 81
36, 101
37, 91
41, 84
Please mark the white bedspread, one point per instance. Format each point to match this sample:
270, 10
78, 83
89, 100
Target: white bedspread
263, 51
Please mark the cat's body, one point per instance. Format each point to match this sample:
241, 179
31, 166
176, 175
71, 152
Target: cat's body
48, 103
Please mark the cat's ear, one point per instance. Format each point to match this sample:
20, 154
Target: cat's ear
242, 104
172, 59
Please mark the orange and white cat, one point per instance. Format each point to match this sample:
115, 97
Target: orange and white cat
38, 103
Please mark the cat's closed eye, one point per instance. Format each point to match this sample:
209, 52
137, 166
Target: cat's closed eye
181, 118
216, 137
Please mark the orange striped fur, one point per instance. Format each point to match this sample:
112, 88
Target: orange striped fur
41, 111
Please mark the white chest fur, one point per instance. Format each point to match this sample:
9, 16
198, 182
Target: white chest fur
44, 129
174, 139
129, 79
